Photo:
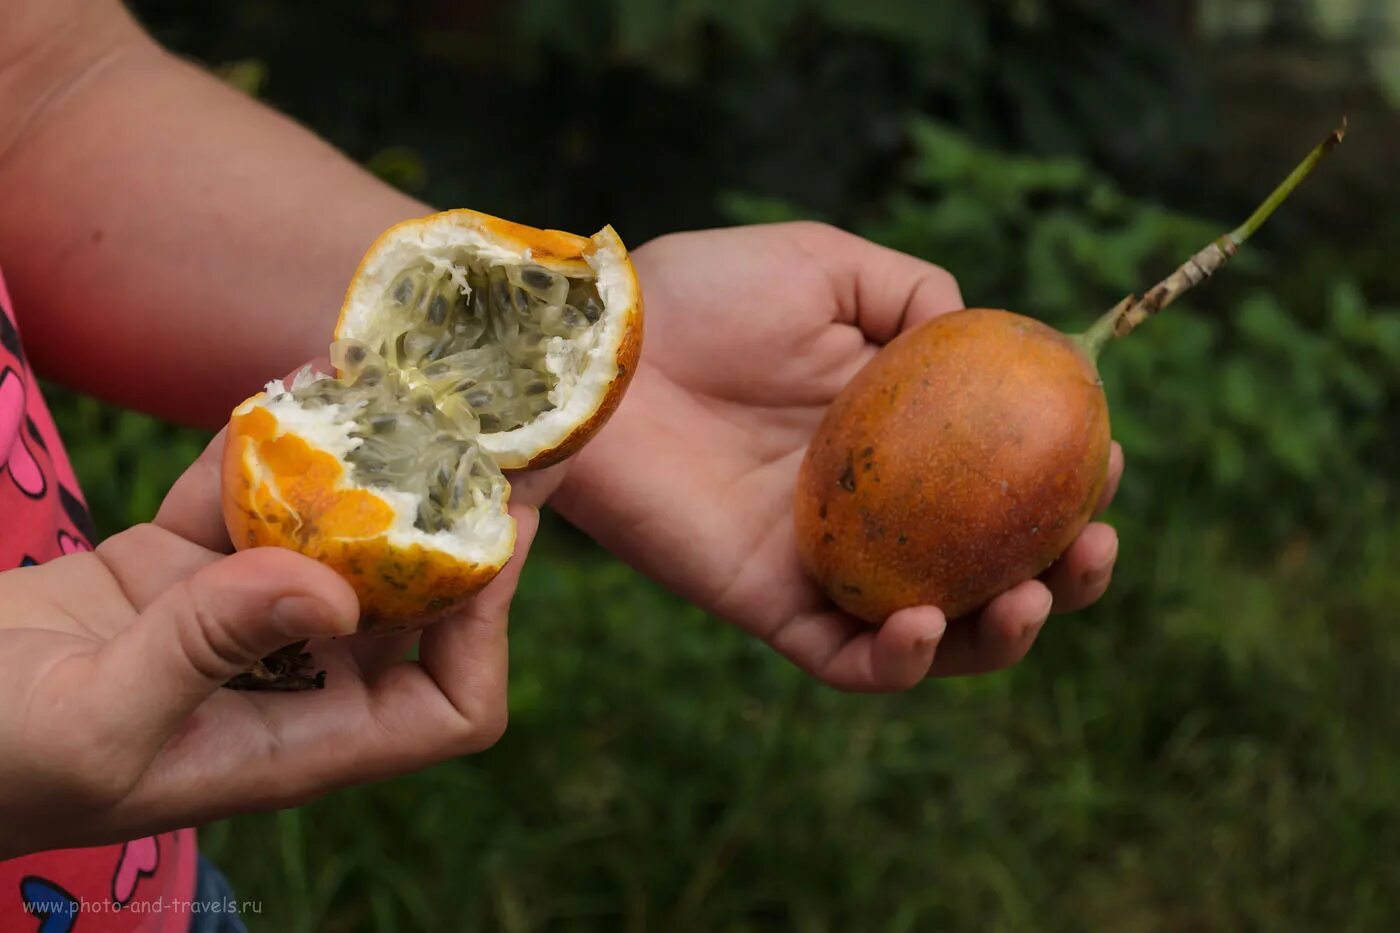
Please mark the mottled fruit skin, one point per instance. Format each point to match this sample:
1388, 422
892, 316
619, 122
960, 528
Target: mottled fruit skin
961, 461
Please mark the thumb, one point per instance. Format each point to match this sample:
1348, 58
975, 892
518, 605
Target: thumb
218, 623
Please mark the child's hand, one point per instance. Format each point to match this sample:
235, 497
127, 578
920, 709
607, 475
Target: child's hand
751, 333
112, 721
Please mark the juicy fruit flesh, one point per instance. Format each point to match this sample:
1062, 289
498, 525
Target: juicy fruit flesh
451, 364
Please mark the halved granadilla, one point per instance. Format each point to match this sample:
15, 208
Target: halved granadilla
466, 345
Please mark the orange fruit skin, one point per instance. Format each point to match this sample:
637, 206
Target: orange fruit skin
278, 491
961, 461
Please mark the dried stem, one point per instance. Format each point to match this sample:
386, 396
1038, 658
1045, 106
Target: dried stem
1132, 311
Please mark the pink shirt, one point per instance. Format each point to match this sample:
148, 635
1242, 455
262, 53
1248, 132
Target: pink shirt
143, 885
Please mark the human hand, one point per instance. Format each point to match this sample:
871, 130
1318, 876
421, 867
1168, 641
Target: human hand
112, 723
751, 333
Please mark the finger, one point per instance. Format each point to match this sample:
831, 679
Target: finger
850, 655
216, 624
533, 487
192, 509
998, 636
905, 647
881, 291
1083, 572
146, 561
467, 657
450, 702
1115, 475
373, 653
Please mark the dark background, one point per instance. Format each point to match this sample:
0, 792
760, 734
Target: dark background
1212, 748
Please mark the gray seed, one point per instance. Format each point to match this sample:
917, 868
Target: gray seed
403, 291
479, 398
383, 424
536, 277
490, 422
437, 310
592, 310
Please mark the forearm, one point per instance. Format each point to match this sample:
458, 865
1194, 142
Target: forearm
170, 243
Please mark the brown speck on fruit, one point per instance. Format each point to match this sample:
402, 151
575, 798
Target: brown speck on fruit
848, 475
851, 588
903, 539
821, 512
622, 369
828, 538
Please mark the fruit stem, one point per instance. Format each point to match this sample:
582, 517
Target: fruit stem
1132, 311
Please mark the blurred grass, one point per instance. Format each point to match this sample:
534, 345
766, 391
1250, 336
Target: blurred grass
1212, 748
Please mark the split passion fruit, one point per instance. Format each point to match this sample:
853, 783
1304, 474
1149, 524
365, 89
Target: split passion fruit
466, 345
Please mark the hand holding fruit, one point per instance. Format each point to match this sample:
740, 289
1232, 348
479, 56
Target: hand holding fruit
752, 333
972, 450
113, 723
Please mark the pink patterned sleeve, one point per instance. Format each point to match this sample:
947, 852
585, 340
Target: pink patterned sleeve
139, 886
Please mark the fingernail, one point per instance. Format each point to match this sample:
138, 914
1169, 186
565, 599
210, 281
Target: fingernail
928, 642
1043, 614
304, 615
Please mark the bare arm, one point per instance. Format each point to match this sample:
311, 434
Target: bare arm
159, 230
